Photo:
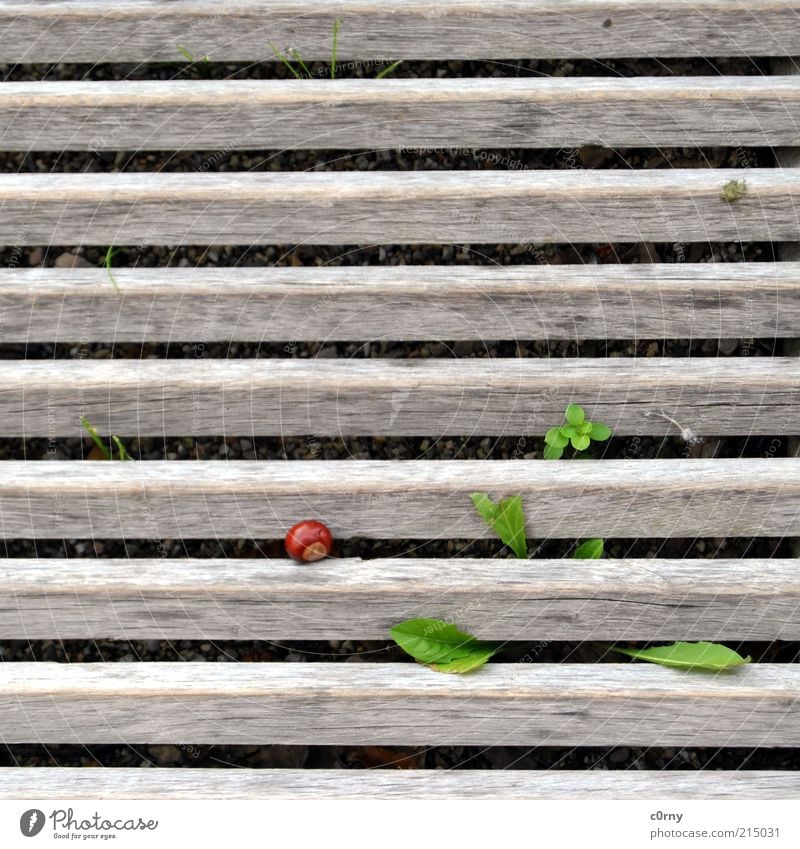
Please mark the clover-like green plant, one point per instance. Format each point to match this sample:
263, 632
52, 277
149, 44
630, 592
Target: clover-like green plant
577, 431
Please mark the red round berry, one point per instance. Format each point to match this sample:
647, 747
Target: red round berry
308, 541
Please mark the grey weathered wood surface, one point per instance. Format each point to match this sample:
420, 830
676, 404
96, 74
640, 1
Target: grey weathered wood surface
453, 303
88, 31
397, 207
386, 499
390, 113
135, 783
397, 704
402, 397
257, 599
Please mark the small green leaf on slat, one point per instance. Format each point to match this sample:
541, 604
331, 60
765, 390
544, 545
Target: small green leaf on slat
590, 549
553, 453
441, 645
580, 443
507, 519
555, 438
710, 657
486, 508
569, 431
600, 432
575, 415
585, 429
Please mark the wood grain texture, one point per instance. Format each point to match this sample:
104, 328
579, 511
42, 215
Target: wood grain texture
186, 599
397, 704
406, 499
86, 31
135, 783
453, 303
391, 113
359, 397
397, 207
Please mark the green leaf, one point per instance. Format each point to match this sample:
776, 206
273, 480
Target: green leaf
575, 415
555, 438
585, 429
591, 549
711, 657
475, 660
599, 432
441, 645
553, 453
580, 443
569, 431
506, 518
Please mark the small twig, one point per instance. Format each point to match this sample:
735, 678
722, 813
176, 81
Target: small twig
687, 434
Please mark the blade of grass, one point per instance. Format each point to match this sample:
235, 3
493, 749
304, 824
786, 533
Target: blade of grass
123, 454
110, 254
302, 64
388, 69
285, 61
96, 438
185, 53
336, 24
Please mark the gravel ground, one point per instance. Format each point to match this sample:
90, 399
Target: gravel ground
313, 448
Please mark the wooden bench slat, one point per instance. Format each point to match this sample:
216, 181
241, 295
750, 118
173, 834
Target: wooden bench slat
397, 704
69, 783
397, 207
404, 499
333, 397
619, 599
453, 303
493, 113
412, 29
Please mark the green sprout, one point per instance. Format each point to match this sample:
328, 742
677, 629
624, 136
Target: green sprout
307, 74
189, 56
577, 432
734, 190
110, 254
107, 454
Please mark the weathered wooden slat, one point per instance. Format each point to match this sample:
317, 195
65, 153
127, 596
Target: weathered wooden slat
493, 113
354, 599
385, 499
91, 31
396, 704
397, 207
331, 397
135, 783
672, 301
